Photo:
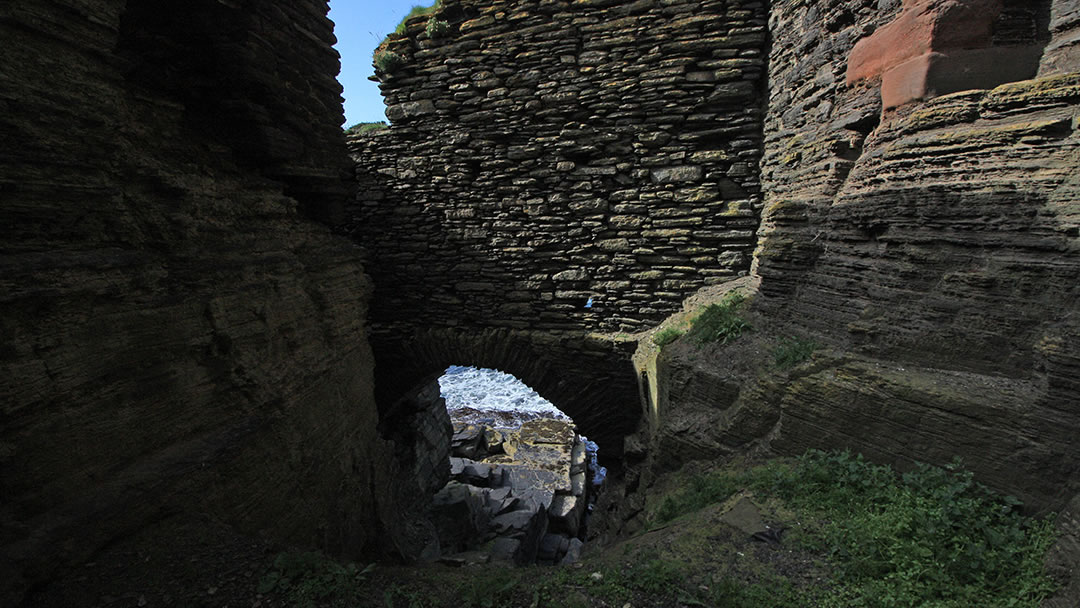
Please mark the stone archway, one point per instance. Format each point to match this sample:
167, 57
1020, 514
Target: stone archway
590, 379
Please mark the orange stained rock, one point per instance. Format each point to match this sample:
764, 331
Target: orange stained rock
924, 26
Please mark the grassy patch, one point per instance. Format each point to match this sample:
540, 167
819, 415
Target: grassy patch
701, 491
719, 322
364, 127
660, 576
930, 537
793, 351
416, 11
492, 589
666, 336
861, 535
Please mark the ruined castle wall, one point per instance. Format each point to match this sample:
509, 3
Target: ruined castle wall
547, 153
175, 335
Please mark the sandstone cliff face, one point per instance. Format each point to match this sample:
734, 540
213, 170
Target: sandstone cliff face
176, 336
939, 246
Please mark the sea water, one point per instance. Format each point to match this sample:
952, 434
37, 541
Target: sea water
500, 400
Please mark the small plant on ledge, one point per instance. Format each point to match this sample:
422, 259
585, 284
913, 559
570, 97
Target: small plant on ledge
793, 351
389, 62
719, 322
666, 336
416, 11
437, 28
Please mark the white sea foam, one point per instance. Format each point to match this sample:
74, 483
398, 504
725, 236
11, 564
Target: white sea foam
492, 390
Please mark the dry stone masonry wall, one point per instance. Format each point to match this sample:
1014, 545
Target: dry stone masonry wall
564, 165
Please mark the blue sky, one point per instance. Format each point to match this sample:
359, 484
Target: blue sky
360, 25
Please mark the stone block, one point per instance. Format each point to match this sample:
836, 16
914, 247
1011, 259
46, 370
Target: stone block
671, 175
935, 74
410, 109
924, 26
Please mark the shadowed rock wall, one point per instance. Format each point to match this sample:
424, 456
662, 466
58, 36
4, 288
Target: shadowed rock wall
937, 247
1063, 52
174, 334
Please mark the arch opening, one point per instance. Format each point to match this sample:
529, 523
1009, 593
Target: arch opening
522, 477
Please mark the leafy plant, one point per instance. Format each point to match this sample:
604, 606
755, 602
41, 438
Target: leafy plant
437, 28
666, 336
389, 62
719, 322
793, 351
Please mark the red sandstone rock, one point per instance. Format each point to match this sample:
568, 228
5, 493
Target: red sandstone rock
924, 26
936, 74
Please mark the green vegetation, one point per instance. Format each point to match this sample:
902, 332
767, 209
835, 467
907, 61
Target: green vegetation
932, 537
793, 351
416, 11
701, 491
858, 535
491, 589
312, 579
388, 61
364, 127
666, 336
719, 322
437, 28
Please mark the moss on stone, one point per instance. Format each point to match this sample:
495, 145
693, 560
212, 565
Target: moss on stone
1062, 88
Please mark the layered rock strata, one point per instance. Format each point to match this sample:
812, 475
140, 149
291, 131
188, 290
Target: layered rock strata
934, 48
930, 251
941, 245
176, 335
